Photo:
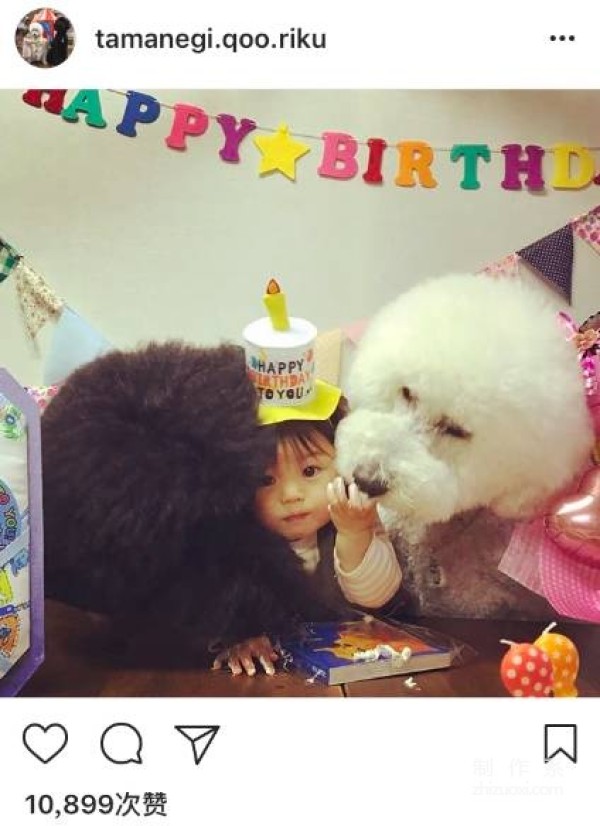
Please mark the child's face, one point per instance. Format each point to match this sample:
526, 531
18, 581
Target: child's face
293, 499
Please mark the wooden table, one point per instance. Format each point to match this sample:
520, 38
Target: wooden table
77, 666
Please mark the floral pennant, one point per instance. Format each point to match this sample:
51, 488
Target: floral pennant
507, 266
38, 300
587, 227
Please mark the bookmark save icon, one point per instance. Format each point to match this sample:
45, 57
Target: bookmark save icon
200, 737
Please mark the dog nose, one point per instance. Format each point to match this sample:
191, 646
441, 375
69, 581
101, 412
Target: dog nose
369, 480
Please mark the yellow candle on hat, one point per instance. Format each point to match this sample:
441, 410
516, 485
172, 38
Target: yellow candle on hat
274, 300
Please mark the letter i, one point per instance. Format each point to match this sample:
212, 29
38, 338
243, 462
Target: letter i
373, 174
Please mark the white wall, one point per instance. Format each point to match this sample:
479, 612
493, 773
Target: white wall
146, 242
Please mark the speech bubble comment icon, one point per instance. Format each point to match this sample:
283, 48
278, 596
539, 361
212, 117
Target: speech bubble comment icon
122, 743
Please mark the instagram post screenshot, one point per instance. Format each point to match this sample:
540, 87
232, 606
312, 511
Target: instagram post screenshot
299, 412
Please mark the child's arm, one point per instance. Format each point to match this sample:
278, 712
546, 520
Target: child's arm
355, 517
365, 561
241, 657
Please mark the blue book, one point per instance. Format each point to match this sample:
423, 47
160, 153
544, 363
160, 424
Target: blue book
344, 652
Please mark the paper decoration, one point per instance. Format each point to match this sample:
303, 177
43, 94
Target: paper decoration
588, 227
342, 154
87, 102
507, 266
234, 135
9, 258
140, 109
471, 153
188, 120
563, 161
38, 301
328, 355
280, 362
276, 306
377, 147
75, 343
339, 156
280, 152
531, 166
21, 538
553, 257
42, 396
51, 99
415, 159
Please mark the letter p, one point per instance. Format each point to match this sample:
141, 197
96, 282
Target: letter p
140, 109
188, 120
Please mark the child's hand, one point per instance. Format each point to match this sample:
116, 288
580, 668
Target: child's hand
241, 657
352, 513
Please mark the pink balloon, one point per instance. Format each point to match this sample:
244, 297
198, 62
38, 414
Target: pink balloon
574, 522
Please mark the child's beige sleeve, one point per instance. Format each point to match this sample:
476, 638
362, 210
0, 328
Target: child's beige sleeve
375, 581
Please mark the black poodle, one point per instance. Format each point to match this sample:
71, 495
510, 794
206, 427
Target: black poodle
151, 460
59, 45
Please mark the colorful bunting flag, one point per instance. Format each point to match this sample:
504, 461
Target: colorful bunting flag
38, 300
354, 331
74, 343
552, 256
507, 266
328, 355
9, 258
587, 227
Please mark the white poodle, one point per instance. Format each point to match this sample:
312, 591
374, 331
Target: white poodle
35, 45
465, 393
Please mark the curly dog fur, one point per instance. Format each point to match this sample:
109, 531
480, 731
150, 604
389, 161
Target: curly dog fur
151, 459
465, 393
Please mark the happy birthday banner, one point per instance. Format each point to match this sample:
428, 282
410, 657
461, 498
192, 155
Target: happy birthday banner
573, 165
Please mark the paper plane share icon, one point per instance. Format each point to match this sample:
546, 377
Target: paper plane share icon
200, 737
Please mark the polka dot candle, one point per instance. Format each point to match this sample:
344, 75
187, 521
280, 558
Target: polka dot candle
565, 661
526, 670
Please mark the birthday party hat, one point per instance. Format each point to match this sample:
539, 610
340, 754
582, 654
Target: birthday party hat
280, 361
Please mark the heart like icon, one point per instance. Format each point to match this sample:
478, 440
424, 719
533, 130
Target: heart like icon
45, 742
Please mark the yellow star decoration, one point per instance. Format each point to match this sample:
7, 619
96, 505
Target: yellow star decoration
280, 152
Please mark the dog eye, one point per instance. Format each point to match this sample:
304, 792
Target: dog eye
447, 427
408, 396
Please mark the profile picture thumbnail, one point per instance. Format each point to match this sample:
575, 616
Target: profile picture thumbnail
45, 38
